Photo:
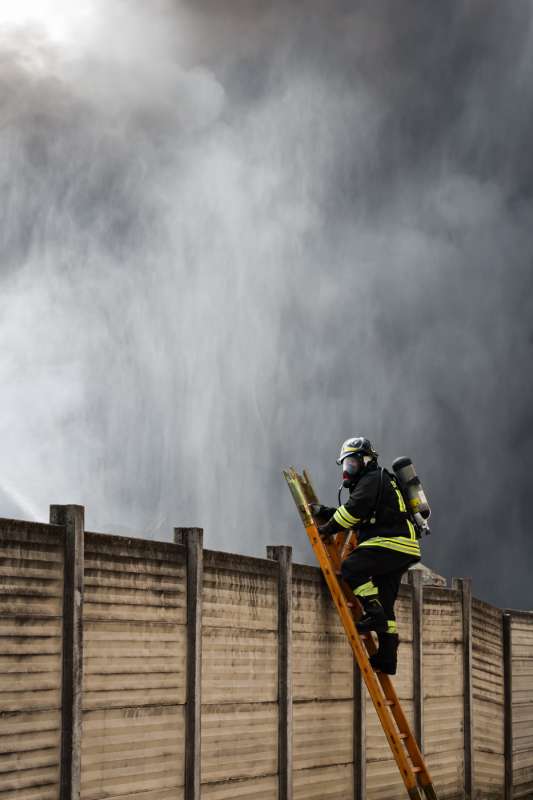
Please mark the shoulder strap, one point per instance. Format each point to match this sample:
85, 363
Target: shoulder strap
397, 515
379, 495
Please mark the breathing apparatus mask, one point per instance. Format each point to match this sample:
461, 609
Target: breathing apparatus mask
351, 467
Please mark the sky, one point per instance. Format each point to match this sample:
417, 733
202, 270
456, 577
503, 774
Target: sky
236, 234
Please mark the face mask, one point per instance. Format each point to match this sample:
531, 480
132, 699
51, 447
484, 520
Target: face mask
350, 468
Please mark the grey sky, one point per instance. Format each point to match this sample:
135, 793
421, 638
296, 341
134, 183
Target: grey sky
238, 233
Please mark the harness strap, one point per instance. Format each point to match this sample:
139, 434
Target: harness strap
392, 512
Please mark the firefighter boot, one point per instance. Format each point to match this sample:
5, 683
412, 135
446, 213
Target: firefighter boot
373, 618
386, 657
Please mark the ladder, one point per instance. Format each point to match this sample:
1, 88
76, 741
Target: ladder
403, 744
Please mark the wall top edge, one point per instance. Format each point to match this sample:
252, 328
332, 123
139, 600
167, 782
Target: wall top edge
445, 591
240, 563
146, 545
19, 525
306, 571
485, 606
519, 612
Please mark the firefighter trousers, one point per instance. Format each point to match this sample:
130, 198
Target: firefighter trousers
380, 568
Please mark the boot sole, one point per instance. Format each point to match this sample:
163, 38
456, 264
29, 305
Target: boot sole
385, 671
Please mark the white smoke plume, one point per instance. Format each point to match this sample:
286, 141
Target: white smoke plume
234, 235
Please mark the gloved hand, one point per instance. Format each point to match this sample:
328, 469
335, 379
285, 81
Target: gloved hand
330, 528
321, 513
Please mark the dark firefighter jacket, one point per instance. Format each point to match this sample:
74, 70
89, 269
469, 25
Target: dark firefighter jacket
391, 529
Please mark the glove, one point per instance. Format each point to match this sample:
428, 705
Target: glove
330, 528
321, 513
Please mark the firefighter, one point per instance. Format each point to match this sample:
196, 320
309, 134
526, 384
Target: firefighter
387, 543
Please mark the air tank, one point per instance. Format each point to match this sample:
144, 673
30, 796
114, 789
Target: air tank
412, 488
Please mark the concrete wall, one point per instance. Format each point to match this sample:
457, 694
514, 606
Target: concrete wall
239, 678
323, 683
31, 602
134, 669
443, 690
136, 735
522, 703
488, 700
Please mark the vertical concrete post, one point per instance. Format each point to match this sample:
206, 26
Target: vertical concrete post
464, 585
359, 735
72, 518
508, 705
283, 556
416, 580
192, 540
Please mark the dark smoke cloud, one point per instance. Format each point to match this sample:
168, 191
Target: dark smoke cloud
238, 233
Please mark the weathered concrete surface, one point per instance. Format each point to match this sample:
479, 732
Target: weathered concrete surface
31, 606
443, 689
522, 703
135, 649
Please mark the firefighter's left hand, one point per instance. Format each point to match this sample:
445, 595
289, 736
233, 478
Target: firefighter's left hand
330, 528
321, 513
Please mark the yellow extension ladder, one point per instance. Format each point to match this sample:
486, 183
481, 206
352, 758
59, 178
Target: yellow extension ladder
404, 747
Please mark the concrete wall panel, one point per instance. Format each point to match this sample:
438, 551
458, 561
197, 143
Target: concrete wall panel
239, 592
313, 609
443, 690
323, 734
31, 605
254, 789
324, 783
239, 741
239, 677
322, 658
522, 702
487, 690
129, 750
134, 668
239, 666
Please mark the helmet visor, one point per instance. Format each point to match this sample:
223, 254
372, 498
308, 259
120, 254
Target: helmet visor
350, 466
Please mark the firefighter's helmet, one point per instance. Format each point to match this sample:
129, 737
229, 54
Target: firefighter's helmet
357, 446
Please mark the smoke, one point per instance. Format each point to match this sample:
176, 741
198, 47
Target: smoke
234, 236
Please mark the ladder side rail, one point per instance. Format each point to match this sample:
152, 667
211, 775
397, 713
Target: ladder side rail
403, 725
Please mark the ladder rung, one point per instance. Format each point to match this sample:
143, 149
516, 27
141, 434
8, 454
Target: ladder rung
390, 703
417, 769
404, 736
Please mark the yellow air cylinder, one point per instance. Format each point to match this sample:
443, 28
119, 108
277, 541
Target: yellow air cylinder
412, 488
